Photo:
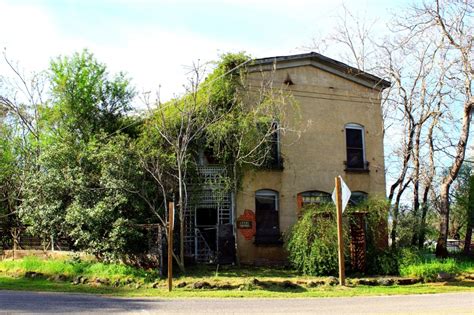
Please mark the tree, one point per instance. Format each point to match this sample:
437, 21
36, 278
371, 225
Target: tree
427, 54
174, 127
254, 117
86, 100
451, 22
470, 216
454, 19
20, 100
462, 213
87, 173
221, 114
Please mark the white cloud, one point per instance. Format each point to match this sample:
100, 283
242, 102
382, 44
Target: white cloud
150, 55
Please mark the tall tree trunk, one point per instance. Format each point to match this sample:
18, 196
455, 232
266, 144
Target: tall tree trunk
424, 212
470, 217
393, 233
441, 250
468, 239
416, 185
429, 179
455, 31
396, 212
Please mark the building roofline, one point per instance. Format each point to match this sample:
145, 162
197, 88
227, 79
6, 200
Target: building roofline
324, 63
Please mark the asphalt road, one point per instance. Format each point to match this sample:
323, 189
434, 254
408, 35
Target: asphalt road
14, 302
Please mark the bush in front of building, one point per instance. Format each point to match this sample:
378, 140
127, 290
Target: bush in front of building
312, 241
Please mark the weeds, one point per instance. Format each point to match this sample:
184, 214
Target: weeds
73, 268
429, 270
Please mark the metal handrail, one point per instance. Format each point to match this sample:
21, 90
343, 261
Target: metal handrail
207, 249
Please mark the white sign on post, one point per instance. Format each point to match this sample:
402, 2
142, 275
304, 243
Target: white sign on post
345, 196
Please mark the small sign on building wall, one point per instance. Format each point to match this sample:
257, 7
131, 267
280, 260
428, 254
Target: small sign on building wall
246, 224
243, 224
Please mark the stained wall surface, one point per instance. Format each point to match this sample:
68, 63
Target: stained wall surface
312, 158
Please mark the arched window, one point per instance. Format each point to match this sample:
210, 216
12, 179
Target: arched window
312, 197
266, 216
355, 147
357, 197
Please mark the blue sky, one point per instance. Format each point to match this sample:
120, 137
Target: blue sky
154, 41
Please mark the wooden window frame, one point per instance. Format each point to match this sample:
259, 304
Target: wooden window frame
365, 164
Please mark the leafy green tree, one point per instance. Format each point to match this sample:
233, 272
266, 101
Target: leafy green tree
8, 182
88, 173
86, 100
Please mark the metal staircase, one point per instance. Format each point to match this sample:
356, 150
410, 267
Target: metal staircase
208, 192
203, 252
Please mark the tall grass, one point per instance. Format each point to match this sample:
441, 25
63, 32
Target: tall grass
429, 269
72, 268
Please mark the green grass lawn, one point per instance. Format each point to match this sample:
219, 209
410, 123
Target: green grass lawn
429, 268
238, 282
71, 267
12, 283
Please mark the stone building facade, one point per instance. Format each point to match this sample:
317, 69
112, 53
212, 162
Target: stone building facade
341, 134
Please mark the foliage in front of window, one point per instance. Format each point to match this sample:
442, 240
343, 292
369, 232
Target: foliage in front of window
269, 151
380, 260
246, 134
312, 241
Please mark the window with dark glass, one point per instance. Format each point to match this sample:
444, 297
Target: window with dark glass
267, 220
313, 197
271, 149
275, 145
355, 147
357, 197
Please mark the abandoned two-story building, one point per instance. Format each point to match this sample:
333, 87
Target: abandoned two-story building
345, 137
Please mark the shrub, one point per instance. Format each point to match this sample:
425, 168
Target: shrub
311, 242
380, 260
410, 256
384, 262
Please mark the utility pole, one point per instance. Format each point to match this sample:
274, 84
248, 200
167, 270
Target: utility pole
340, 240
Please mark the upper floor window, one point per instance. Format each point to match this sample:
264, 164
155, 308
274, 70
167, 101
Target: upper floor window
271, 149
355, 147
313, 197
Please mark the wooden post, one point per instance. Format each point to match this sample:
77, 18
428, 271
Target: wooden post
340, 241
170, 245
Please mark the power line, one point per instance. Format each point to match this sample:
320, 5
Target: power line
324, 98
292, 88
